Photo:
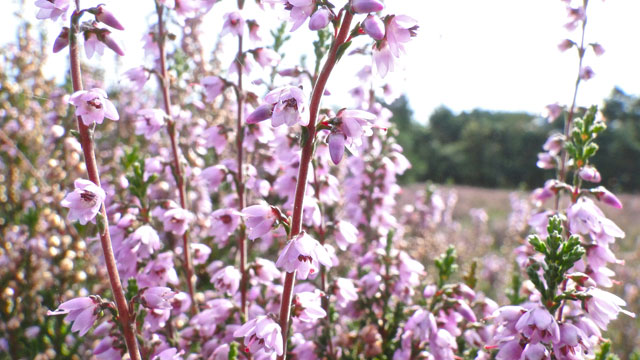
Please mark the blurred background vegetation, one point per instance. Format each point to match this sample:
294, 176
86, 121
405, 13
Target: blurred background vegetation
497, 149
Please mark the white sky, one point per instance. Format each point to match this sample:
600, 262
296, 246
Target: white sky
490, 54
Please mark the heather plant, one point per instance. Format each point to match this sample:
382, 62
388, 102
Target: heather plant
225, 211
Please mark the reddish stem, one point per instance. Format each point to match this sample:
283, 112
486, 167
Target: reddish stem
86, 141
303, 171
179, 177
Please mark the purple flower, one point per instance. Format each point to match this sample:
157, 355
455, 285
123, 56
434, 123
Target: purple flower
320, 19
374, 27
177, 220
92, 44
233, 23
349, 128
573, 344
367, 6
224, 222
538, 325
62, 40
106, 17
261, 333
266, 270
289, 106
607, 197
52, 9
83, 311
261, 113
144, 241
308, 306
84, 201
590, 173
345, 234
213, 176
227, 279
555, 142
215, 137
265, 57
93, 106
587, 73
201, 253
157, 297
603, 306
300, 11
149, 122
345, 292
138, 76
213, 87
303, 254
260, 220
399, 30
546, 161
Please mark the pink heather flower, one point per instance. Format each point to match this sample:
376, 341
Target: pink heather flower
603, 306
157, 297
535, 352
160, 271
169, 354
573, 345
345, 234
213, 176
300, 11
586, 218
266, 57
350, 126
607, 197
52, 9
177, 220
83, 311
374, 27
289, 106
213, 87
92, 44
565, 45
111, 43
137, 76
233, 23
303, 254
224, 222
308, 306
206, 322
546, 161
586, 73
399, 30
200, 252
149, 122
597, 49
106, 17
553, 111
144, 241
254, 29
62, 40
215, 137
227, 279
576, 15
538, 325
259, 220
320, 19
266, 270
84, 201
511, 350
261, 113
554, 144
345, 292
93, 106
367, 6
590, 173
105, 349
261, 333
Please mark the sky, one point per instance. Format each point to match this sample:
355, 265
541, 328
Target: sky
490, 54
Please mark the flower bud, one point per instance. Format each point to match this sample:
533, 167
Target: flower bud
62, 40
374, 27
589, 173
263, 112
607, 197
106, 17
367, 6
112, 44
320, 19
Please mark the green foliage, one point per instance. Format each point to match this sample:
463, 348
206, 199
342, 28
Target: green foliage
605, 352
446, 264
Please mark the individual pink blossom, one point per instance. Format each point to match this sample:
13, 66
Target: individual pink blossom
603, 306
511, 350
266, 270
261, 333
345, 292
227, 280
233, 23
586, 73
83, 311
573, 345
303, 254
348, 130
565, 45
137, 76
200, 252
300, 11
607, 197
367, 6
169, 354
553, 111
157, 297
261, 113
62, 40
52, 9
308, 306
546, 161
106, 17
555, 143
576, 15
207, 321
177, 220
597, 49
586, 218
215, 137
92, 44
266, 57
345, 234
254, 31
224, 222
538, 325
320, 19
374, 27
399, 30
213, 87
106, 350
84, 201
590, 173
289, 106
535, 351
259, 220
160, 271
144, 241
213, 176
93, 106
149, 122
